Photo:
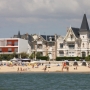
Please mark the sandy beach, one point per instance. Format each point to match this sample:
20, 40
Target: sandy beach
53, 68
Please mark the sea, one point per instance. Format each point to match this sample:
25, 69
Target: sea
45, 81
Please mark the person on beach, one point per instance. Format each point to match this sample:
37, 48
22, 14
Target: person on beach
45, 68
18, 69
21, 69
64, 66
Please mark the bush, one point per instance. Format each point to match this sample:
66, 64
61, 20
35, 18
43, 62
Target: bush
87, 58
43, 58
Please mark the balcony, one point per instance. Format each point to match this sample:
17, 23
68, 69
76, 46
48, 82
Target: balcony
71, 47
61, 55
39, 49
39, 42
70, 40
12, 44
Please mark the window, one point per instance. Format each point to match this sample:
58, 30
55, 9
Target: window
50, 44
71, 37
39, 46
61, 45
39, 39
16, 49
71, 46
50, 38
9, 42
41, 54
61, 53
83, 44
16, 43
0, 49
9, 49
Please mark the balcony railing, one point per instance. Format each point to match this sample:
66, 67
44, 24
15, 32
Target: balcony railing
12, 45
40, 50
39, 42
71, 47
61, 55
7, 52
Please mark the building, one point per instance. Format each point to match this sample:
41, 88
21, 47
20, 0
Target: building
46, 45
27, 37
76, 42
11, 45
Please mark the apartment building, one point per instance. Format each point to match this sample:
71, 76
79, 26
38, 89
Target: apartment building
30, 40
11, 45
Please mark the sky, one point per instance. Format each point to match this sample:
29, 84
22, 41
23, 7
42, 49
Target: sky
46, 17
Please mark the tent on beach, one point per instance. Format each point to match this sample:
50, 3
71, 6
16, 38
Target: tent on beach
84, 63
14, 59
75, 63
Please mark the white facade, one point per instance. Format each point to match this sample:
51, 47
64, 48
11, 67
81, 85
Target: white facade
73, 47
22, 45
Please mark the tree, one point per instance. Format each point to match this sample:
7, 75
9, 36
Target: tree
38, 54
24, 55
32, 55
15, 55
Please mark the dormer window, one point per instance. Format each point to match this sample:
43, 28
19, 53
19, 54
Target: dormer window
39, 39
50, 38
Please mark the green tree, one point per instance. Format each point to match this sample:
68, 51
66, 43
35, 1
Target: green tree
38, 54
24, 55
32, 55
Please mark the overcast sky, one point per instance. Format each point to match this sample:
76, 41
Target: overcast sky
41, 16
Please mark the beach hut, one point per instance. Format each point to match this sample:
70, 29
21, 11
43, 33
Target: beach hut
84, 63
75, 63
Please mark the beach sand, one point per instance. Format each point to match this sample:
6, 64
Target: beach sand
53, 68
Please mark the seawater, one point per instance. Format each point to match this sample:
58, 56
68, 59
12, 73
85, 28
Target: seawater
45, 81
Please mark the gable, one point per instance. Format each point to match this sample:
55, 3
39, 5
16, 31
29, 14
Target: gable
40, 38
70, 36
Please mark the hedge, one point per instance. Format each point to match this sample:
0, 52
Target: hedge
69, 58
43, 58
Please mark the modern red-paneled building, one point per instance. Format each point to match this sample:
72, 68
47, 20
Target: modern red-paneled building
10, 45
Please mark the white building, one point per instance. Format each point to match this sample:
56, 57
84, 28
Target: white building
76, 42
